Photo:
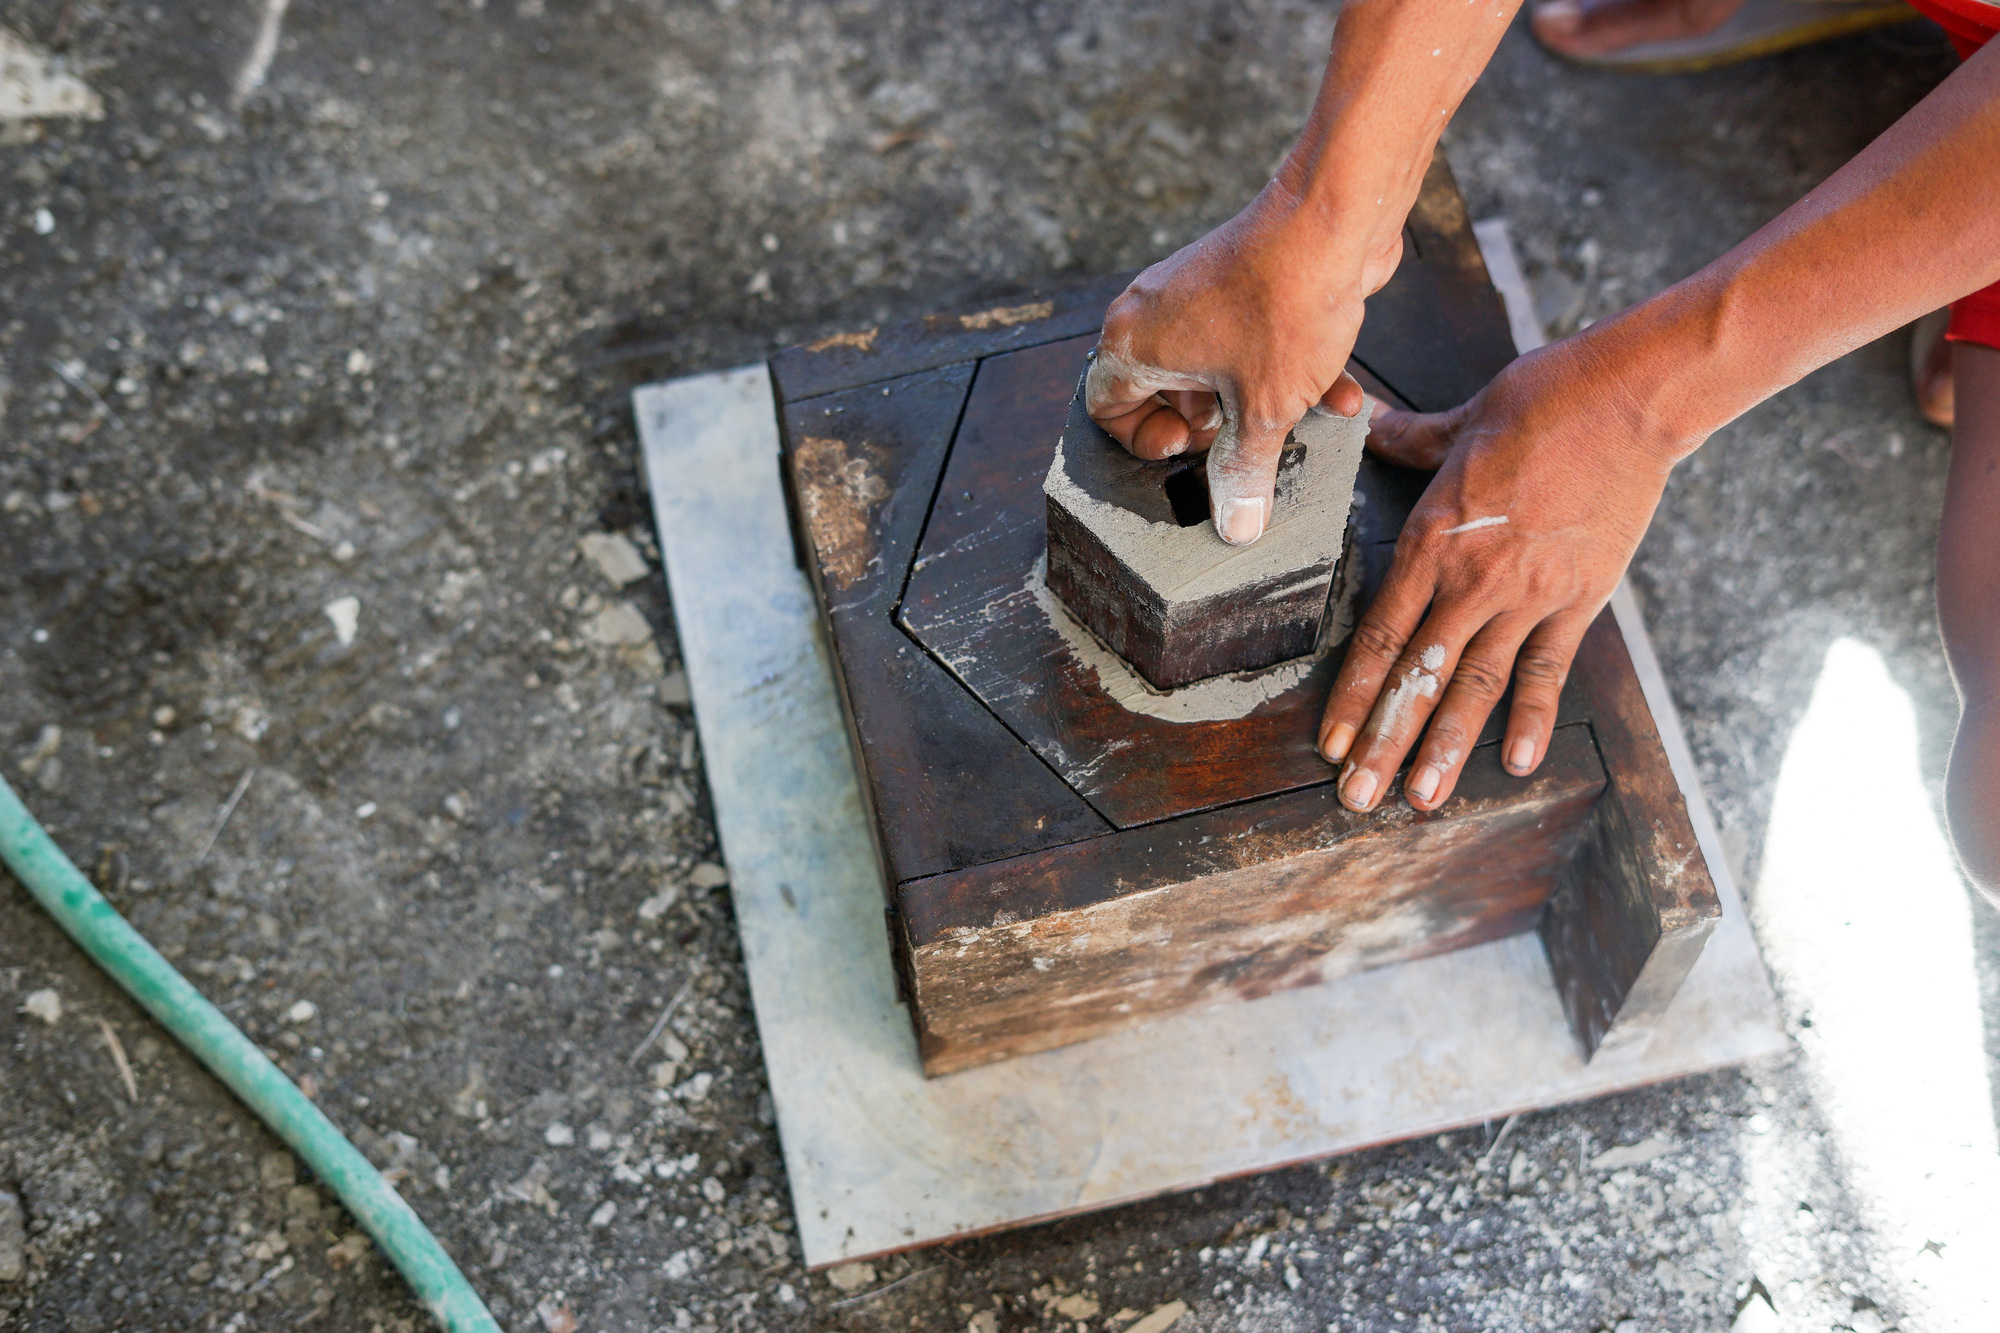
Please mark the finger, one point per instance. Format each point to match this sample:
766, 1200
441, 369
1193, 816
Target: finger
1161, 433
1415, 683
1242, 470
1120, 398
1203, 413
1477, 683
1377, 642
1345, 398
1411, 439
1540, 669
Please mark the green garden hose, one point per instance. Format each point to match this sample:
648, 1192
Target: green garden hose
94, 924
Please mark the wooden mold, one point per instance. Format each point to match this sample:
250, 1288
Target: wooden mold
1069, 850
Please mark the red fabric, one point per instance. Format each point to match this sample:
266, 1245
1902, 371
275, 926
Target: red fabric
1969, 23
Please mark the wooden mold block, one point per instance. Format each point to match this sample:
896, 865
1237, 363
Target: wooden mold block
1069, 849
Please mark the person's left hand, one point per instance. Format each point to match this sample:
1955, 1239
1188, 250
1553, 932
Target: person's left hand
1545, 483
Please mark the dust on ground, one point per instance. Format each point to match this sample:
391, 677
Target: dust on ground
309, 395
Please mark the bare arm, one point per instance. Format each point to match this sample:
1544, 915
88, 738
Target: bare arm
1247, 328
1572, 445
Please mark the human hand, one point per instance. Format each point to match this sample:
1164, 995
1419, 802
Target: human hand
1224, 345
1545, 483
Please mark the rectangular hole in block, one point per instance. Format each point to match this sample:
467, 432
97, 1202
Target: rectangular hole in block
1187, 492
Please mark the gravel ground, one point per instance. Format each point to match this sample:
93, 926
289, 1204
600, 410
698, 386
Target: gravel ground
309, 394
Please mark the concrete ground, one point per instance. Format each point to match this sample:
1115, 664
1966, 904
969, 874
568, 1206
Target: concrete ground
366, 332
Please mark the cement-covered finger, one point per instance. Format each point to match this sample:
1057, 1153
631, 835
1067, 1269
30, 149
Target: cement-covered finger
1406, 702
1477, 683
1242, 475
1372, 651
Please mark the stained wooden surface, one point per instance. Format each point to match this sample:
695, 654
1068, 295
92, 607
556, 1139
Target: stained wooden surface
1044, 950
1634, 908
969, 602
1061, 866
948, 785
872, 353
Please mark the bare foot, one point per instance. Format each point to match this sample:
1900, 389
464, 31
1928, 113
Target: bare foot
1932, 377
1597, 27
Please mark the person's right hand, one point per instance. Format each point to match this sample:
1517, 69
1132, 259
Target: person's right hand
1224, 345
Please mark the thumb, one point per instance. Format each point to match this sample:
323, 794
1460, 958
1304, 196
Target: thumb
1242, 470
1411, 439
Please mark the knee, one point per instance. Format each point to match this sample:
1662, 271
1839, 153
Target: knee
1972, 798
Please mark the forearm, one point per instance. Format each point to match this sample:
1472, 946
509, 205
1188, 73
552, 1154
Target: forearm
1396, 72
1910, 224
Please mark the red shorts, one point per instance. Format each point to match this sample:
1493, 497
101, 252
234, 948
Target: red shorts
1975, 318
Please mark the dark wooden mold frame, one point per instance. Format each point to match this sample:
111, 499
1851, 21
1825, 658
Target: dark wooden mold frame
893, 435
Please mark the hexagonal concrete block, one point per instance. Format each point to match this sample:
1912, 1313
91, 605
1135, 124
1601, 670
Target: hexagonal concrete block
1134, 555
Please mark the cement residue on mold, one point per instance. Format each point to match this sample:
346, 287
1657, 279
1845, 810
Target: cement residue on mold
1217, 699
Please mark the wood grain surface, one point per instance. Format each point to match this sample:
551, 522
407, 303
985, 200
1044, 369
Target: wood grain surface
1634, 908
946, 782
1235, 904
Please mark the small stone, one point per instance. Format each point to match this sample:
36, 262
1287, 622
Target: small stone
1634, 1154
1077, 1305
695, 1089
305, 1011
1161, 1319
615, 557
708, 875
984, 1322
277, 1171
656, 906
665, 1074
851, 1277
13, 1239
673, 691
616, 625
351, 1249
45, 1005
605, 1212
345, 613
559, 1135
711, 1189
555, 1318
359, 362
681, 1265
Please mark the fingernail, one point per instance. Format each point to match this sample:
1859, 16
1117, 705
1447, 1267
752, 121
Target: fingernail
1425, 784
1337, 742
1239, 520
1360, 789
1522, 756
1214, 421
1173, 449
